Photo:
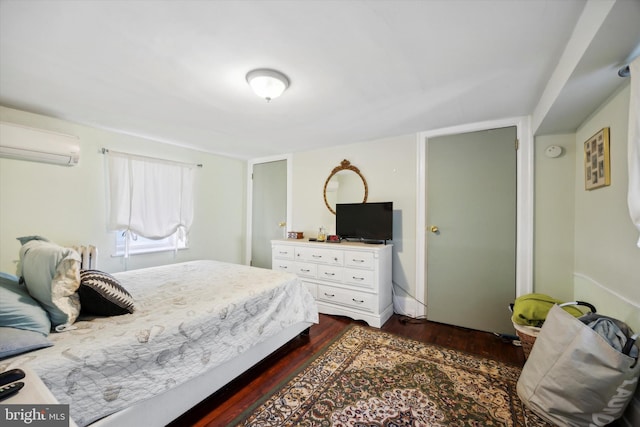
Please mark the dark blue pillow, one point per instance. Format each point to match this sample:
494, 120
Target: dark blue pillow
103, 295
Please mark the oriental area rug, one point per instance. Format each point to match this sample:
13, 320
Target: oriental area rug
369, 378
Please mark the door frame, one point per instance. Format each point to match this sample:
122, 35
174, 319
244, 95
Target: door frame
250, 165
524, 200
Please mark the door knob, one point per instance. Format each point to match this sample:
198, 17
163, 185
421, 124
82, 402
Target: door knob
435, 229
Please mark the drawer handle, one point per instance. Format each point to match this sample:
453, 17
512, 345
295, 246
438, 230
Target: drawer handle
358, 278
329, 295
284, 266
283, 253
357, 260
359, 301
305, 271
317, 256
326, 273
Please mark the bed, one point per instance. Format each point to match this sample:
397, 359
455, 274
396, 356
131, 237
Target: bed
196, 326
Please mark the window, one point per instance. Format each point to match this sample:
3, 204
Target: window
150, 203
142, 245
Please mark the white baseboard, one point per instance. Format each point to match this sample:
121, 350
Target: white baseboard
405, 306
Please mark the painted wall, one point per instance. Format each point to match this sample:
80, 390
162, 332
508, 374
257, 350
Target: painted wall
607, 260
584, 240
68, 204
553, 217
389, 166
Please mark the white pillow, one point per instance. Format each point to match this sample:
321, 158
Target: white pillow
52, 276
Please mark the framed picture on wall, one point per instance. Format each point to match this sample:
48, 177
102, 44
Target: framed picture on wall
597, 168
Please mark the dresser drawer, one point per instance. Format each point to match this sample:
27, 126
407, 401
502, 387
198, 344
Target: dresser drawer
319, 255
283, 252
347, 297
359, 259
306, 269
313, 288
347, 279
330, 272
361, 278
283, 265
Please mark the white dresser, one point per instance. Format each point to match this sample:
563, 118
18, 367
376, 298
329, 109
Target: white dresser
350, 279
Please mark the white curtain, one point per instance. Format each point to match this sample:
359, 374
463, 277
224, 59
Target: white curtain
149, 197
633, 198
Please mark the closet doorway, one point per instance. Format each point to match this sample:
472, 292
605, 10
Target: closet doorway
471, 239
268, 207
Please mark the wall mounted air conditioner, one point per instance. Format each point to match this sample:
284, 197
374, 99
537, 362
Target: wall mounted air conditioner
37, 145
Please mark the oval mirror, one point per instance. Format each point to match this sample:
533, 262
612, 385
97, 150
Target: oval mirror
345, 184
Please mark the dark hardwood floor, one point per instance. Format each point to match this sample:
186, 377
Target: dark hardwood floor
222, 407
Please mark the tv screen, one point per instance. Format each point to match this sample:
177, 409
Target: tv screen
365, 221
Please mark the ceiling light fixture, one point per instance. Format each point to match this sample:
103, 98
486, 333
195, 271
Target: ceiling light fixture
266, 83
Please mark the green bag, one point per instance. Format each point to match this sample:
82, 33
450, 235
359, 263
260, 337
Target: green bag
532, 309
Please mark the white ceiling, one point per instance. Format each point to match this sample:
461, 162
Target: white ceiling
174, 71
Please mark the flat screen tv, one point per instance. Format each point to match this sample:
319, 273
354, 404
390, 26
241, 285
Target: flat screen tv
368, 222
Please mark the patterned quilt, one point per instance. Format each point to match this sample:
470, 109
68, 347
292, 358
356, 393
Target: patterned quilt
189, 318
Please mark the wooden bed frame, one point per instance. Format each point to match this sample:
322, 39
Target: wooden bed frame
166, 407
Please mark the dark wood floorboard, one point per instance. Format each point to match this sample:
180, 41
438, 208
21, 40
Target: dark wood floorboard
229, 402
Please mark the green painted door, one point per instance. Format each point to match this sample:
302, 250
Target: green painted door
471, 229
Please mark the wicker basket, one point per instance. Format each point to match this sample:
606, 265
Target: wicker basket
527, 335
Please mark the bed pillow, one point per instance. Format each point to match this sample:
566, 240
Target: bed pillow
25, 239
18, 309
15, 341
52, 276
103, 295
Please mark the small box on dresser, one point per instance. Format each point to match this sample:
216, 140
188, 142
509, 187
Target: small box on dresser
350, 278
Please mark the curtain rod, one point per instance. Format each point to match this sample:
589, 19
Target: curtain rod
106, 150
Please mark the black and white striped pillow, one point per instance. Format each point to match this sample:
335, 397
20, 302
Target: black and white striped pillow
101, 294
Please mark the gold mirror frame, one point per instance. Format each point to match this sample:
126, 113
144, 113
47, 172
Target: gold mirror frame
344, 165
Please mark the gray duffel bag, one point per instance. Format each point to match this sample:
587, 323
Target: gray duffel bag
574, 377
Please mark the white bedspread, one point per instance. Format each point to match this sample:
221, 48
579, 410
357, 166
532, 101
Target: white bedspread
189, 318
